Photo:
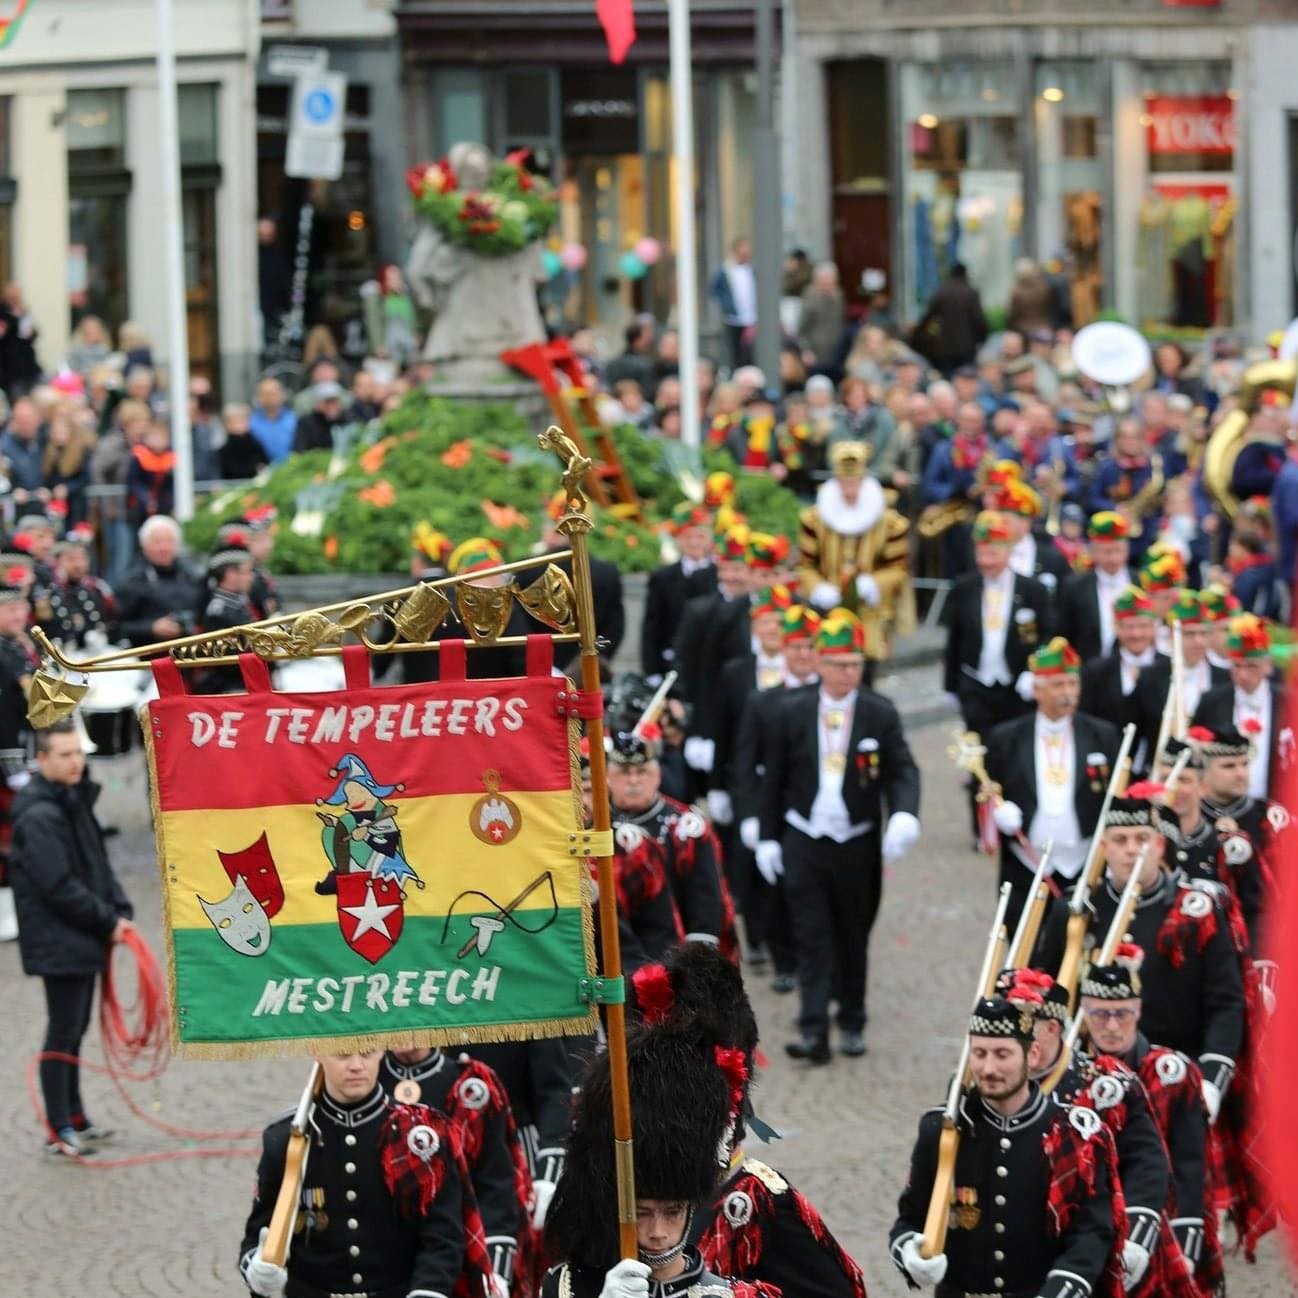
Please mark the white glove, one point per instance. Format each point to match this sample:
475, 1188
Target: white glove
867, 589
923, 1270
265, 1278
750, 832
1212, 1100
1025, 687
1008, 817
770, 860
542, 1193
699, 753
719, 807
900, 836
629, 1279
19, 780
826, 595
1135, 1262
498, 1286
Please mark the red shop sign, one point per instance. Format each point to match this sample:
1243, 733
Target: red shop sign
1200, 124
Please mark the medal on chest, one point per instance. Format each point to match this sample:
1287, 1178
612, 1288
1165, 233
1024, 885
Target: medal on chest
965, 1212
833, 760
406, 1091
1056, 759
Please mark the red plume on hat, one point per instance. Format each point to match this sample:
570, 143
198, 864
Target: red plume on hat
1145, 791
1199, 735
734, 1067
1034, 980
1129, 956
1022, 995
654, 993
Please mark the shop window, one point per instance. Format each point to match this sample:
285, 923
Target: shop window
459, 108
1066, 111
200, 180
963, 176
98, 187
1187, 250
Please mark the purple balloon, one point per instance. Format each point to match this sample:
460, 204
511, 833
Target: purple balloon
573, 256
649, 250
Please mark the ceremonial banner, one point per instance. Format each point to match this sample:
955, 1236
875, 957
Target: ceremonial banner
383, 860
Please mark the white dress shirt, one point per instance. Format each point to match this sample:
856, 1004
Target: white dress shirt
769, 670
1107, 589
829, 818
1131, 665
743, 288
1256, 707
1195, 682
1023, 557
997, 597
690, 566
1056, 814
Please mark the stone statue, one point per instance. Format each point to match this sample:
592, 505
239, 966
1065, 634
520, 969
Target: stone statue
481, 305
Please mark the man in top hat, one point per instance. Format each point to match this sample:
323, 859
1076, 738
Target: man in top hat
1111, 1005
755, 1226
229, 579
1252, 703
678, 1152
662, 839
854, 551
1032, 1209
1151, 1261
1032, 552
1053, 767
835, 758
673, 585
77, 603
385, 1207
1193, 991
1110, 684
470, 1094
1162, 577
1086, 600
996, 618
766, 910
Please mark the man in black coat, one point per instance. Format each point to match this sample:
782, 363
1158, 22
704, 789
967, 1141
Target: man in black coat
71, 907
835, 758
158, 599
1053, 769
1085, 602
1033, 552
953, 326
1252, 703
995, 619
673, 585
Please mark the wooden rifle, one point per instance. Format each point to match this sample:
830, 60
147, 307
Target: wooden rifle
1025, 935
1173, 722
284, 1217
1070, 966
939, 1203
653, 709
1117, 929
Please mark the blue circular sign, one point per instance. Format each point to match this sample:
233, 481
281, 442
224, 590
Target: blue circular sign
319, 105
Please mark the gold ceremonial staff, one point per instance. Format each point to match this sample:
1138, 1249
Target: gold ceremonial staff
413, 613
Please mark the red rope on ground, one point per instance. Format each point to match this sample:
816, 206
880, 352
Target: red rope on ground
137, 1047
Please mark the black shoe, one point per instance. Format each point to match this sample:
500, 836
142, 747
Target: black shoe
852, 1045
759, 957
815, 1050
328, 886
782, 984
94, 1133
68, 1144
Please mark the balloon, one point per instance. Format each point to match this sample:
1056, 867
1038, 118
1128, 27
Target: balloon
572, 256
631, 266
649, 250
551, 263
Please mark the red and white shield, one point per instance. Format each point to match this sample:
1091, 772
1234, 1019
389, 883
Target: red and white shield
370, 914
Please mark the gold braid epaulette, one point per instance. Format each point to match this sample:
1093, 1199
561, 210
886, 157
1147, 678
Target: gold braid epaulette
768, 1176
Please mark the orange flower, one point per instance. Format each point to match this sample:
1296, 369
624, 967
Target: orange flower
331, 548
632, 540
458, 454
372, 459
504, 516
380, 495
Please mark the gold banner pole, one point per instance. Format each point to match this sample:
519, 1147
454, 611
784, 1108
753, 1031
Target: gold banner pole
576, 525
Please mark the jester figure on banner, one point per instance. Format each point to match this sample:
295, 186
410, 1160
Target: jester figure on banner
364, 836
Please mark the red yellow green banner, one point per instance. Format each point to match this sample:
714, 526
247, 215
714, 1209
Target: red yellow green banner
371, 864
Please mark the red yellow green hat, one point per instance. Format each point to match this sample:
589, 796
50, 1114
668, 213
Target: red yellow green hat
771, 599
1162, 568
428, 541
1055, 659
841, 632
1219, 605
1248, 638
687, 514
732, 547
1003, 472
473, 555
1187, 608
1016, 497
990, 528
1133, 602
718, 489
1109, 525
766, 551
799, 623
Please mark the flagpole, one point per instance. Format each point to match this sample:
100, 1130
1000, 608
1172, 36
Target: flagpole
687, 289
173, 265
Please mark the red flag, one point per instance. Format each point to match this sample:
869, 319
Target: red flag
618, 20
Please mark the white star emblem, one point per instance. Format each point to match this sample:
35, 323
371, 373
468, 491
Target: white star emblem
370, 915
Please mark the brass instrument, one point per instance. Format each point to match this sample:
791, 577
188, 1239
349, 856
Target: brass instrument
1146, 500
935, 520
1056, 493
1225, 443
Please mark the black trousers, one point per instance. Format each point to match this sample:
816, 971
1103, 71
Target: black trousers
833, 891
68, 1001
766, 918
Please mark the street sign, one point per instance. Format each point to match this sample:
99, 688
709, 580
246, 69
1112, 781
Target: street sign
315, 131
296, 60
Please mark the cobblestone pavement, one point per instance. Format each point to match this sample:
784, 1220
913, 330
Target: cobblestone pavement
172, 1228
